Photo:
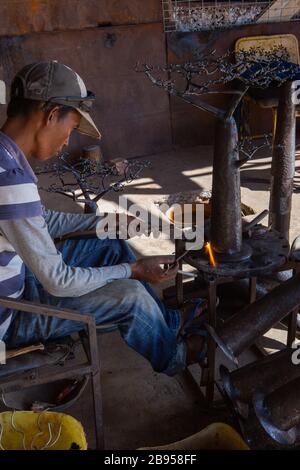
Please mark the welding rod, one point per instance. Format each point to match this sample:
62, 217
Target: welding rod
185, 273
176, 261
255, 221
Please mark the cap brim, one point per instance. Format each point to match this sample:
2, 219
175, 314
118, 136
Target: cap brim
87, 125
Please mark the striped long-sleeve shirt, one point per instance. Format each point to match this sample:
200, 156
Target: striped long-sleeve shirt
25, 237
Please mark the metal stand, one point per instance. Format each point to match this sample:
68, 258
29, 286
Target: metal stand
212, 283
212, 321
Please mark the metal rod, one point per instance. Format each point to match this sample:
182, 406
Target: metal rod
256, 220
283, 163
246, 326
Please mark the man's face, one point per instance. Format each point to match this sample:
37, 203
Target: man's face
54, 133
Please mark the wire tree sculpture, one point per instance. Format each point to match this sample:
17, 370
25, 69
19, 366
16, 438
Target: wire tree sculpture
87, 181
206, 75
202, 76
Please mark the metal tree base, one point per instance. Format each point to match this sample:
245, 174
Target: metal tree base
265, 251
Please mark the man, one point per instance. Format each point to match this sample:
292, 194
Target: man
101, 277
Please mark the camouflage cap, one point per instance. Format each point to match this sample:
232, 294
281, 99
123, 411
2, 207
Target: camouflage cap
54, 82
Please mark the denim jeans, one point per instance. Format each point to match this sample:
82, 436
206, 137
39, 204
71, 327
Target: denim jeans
143, 321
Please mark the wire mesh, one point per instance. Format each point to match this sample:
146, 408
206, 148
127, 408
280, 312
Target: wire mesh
201, 15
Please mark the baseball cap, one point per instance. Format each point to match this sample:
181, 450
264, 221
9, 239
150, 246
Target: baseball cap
57, 83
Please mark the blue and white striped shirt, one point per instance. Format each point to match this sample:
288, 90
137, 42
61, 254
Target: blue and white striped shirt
19, 199
26, 229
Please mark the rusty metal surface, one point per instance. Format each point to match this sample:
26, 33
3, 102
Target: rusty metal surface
269, 251
19, 17
246, 326
267, 374
226, 221
283, 162
133, 116
279, 412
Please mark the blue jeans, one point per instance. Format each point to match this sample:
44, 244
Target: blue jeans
143, 321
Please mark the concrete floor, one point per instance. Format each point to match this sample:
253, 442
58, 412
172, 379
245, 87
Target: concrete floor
141, 407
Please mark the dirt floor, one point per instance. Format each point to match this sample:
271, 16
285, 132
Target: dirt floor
141, 407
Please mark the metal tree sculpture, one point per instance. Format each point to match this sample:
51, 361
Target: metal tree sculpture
87, 181
203, 76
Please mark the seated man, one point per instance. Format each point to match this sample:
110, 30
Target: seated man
101, 277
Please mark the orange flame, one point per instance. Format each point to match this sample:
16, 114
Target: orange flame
210, 254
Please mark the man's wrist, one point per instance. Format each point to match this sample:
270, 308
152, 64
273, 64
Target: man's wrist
134, 270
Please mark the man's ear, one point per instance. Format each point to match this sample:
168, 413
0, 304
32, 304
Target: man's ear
52, 115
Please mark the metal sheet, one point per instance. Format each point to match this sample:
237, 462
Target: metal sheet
20, 17
132, 115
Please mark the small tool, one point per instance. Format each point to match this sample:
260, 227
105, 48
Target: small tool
176, 261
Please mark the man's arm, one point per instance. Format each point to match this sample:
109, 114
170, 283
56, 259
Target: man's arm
32, 242
61, 223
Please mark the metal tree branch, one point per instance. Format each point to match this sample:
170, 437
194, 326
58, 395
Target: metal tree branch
253, 68
87, 181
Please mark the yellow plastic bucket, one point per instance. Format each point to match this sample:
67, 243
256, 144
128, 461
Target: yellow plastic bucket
27, 430
216, 436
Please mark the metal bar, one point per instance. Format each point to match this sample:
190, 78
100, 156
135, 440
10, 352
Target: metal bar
96, 386
179, 277
255, 221
283, 163
252, 289
246, 326
211, 354
41, 309
14, 382
292, 327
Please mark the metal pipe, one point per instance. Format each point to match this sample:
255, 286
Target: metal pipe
267, 374
283, 163
226, 222
279, 412
246, 326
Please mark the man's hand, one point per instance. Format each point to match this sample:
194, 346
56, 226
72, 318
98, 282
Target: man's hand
149, 269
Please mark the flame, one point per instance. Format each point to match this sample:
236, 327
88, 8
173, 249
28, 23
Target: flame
210, 254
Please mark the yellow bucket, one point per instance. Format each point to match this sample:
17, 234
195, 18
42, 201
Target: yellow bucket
28, 430
216, 436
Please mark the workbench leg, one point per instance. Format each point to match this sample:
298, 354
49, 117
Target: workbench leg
211, 354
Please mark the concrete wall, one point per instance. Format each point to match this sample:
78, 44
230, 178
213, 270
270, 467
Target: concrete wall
102, 40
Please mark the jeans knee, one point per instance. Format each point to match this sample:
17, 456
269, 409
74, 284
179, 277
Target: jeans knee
136, 295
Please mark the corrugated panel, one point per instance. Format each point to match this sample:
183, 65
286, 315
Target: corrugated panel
132, 114
18, 17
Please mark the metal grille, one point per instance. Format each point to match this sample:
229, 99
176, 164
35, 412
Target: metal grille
200, 15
